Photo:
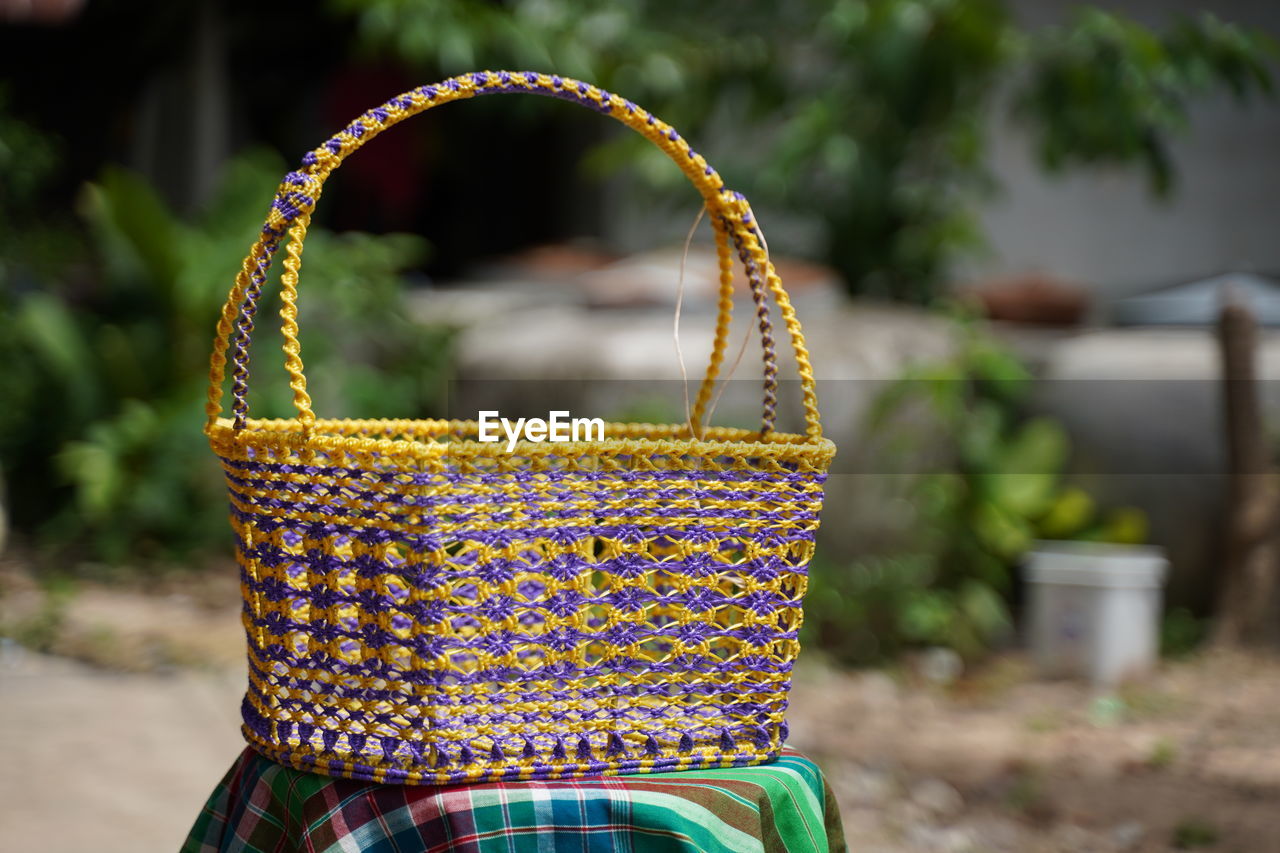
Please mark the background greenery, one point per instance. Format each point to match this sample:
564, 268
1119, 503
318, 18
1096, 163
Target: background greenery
993, 483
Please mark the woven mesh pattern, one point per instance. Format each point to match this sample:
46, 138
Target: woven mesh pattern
463, 616
423, 607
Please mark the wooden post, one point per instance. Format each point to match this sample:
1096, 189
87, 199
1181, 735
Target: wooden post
1247, 594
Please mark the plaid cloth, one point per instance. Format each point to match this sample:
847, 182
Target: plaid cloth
263, 807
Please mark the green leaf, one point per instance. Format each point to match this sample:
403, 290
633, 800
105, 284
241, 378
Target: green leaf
95, 471
1004, 534
1072, 511
130, 210
51, 330
981, 440
1022, 495
984, 609
1039, 446
1124, 526
1026, 466
926, 616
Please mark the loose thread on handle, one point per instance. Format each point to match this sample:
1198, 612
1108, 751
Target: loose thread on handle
675, 331
724, 383
742, 349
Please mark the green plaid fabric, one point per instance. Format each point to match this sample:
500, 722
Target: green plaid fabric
263, 807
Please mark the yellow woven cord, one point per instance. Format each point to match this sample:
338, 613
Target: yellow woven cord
720, 202
724, 319
392, 567
289, 318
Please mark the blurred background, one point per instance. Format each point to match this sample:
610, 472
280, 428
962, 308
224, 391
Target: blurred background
1036, 251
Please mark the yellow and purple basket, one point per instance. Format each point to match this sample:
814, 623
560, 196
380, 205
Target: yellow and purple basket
422, 607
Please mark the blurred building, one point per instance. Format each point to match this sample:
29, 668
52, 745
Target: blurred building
1102, 228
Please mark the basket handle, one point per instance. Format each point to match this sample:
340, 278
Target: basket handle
298, 194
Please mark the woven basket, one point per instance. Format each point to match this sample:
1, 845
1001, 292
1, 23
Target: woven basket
422, 607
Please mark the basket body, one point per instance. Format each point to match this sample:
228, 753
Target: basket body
427, 612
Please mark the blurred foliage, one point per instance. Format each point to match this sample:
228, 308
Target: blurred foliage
1182, 632
993, 485
107, 351
41, 629
1193, 833
1107, 90
868, 118
28, 158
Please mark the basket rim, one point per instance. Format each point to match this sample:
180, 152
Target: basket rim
621, 439
478, 773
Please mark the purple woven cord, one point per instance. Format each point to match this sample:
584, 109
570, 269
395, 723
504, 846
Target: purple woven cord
770, 355
243, 335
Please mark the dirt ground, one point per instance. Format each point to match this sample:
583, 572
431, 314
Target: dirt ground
116, 731
1187, 759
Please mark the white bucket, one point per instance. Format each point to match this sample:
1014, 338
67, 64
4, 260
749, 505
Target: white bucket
1094, 609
